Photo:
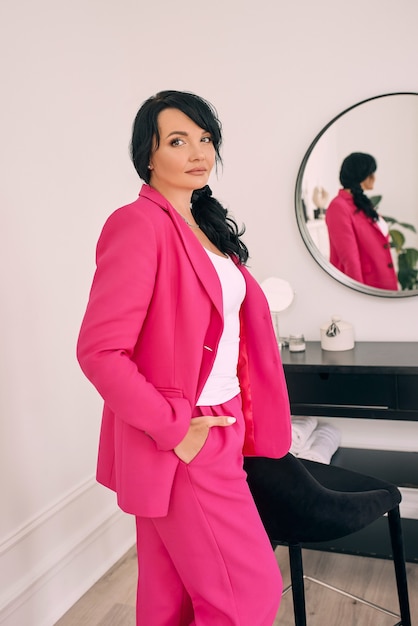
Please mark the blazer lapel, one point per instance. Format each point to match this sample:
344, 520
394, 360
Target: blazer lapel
199, 259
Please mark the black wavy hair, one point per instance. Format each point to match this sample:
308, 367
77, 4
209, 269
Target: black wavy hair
355, 168
208, 212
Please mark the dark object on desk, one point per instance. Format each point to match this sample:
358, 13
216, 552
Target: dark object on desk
303, 501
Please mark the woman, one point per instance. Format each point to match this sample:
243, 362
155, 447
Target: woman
178, 340
359, 237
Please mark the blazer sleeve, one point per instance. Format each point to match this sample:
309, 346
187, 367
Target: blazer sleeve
343, 240
126, 268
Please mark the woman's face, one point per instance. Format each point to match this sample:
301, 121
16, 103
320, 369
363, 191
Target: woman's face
368, 183
185, 156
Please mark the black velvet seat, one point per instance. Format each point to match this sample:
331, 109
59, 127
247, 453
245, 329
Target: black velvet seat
303, 501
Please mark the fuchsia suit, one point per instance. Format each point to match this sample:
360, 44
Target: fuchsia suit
148, 341
358, 248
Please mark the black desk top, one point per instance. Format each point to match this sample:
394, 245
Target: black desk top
384, 357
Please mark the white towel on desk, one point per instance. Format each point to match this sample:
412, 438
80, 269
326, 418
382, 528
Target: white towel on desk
322, 444
302, 429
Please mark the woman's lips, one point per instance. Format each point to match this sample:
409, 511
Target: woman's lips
196, 172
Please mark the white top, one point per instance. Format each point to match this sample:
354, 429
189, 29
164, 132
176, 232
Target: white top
222, 383
383, 225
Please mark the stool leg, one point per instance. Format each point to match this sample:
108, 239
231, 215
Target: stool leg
395, 529
298, 588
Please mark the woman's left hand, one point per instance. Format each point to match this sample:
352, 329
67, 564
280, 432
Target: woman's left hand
197, 434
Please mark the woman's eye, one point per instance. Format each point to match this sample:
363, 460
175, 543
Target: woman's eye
177, 142
207, 139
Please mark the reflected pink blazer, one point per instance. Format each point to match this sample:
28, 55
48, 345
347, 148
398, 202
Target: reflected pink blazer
357, 245
148, 341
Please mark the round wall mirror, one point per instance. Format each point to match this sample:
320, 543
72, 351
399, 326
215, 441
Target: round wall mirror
385, 127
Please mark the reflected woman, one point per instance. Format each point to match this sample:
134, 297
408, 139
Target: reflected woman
359, 237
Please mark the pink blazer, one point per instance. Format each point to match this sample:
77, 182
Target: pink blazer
148, 341
357, 245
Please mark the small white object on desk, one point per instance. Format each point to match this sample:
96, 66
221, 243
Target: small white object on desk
337, 335
297, 343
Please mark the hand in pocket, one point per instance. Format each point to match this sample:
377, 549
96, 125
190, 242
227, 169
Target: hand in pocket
197, 434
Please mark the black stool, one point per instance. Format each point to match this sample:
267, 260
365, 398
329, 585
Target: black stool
303, 501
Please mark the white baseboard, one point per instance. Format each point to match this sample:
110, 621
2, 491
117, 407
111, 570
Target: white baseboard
47, 564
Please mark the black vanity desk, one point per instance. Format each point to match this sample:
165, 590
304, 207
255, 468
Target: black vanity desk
375, 380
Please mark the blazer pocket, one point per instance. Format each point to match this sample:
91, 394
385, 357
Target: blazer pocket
170, 392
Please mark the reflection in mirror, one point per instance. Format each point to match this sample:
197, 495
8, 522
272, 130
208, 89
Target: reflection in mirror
387, 128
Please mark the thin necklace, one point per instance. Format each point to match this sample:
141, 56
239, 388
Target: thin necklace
191, 225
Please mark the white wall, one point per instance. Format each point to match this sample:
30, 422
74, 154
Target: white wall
73, 75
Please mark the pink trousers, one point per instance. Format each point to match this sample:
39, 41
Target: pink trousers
209, 561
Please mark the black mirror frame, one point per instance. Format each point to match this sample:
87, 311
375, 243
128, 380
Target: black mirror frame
301, 221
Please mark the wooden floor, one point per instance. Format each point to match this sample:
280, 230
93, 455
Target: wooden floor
111, 601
